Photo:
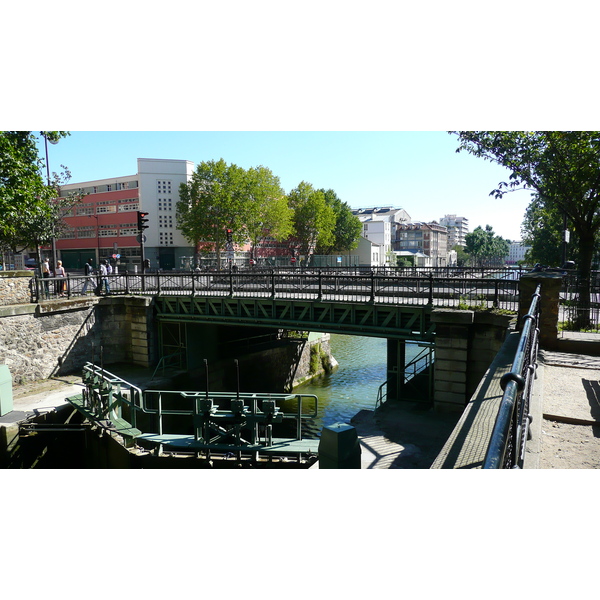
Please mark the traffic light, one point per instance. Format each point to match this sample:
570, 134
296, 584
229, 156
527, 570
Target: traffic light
229, 236
141, 220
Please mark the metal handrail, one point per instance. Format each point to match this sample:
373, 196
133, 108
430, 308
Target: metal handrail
343, 287
511, 429
106, 394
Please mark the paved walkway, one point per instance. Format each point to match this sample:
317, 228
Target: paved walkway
566, 412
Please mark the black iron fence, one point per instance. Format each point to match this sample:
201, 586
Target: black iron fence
576, 312
373, 286
511, 429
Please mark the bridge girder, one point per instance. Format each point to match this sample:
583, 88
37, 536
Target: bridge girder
369, 319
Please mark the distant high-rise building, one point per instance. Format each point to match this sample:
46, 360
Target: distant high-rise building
458, 227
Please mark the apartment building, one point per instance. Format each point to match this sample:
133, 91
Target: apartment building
457, 227
426, 242
104, 223
379, 227
516, 253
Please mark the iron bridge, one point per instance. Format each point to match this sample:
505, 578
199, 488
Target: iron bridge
354, 318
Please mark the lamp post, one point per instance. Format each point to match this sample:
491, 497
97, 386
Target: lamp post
48, 181
97, 237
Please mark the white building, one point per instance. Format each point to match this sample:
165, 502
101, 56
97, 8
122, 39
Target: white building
369, 253
516, 253
458, 227
104, 224
379, 226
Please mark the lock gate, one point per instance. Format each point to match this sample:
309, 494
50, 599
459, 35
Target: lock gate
228, 424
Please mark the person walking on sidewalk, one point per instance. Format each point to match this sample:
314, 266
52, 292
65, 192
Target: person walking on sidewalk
88, 271
46, 277
104, 275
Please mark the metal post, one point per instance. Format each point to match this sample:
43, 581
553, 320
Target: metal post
320, 285
430, 299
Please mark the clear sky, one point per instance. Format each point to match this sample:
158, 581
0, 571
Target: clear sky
417, 171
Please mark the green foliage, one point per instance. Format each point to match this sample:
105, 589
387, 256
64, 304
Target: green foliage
266, 211
212, 202
485, 248
347, 228
462, 258
465, 303
318, 359
562, 168
314, 219
405, 261
30, 206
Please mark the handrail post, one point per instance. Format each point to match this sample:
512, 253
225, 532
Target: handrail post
320, 280
372, 298
272, 283
430, 299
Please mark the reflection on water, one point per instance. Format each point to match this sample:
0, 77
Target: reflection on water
353, 385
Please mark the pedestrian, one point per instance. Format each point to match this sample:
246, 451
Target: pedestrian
104, 275
46, 277
88, 271
61, 286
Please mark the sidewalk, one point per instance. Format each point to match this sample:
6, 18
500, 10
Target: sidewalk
40, 396
566, 411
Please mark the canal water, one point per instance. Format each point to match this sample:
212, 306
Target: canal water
353, 386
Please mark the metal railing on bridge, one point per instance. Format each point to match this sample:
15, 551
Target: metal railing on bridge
331, 286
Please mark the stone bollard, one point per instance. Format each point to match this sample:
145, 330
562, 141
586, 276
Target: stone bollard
549, 302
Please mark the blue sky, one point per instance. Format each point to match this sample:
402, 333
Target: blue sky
417, 171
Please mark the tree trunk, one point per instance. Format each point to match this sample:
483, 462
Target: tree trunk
586, 254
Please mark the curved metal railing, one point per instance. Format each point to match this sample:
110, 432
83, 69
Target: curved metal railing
511, 429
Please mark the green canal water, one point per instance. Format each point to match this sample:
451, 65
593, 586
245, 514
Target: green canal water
353, 386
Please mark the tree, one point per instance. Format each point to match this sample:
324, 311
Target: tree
314, 219
30, 205
461, 256
347, 228
210, 204
266, 210
563, 168
485, 248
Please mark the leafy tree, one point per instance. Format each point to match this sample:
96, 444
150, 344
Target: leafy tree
461, 256
347, 229
563, 168
266, 210
314, 219
209, 204
485, 248
30, 205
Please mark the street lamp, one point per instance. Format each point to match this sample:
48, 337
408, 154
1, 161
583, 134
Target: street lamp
48, 180
97, 236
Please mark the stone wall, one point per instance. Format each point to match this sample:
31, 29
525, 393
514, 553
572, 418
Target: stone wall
15, 287
466, 343
54, 338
